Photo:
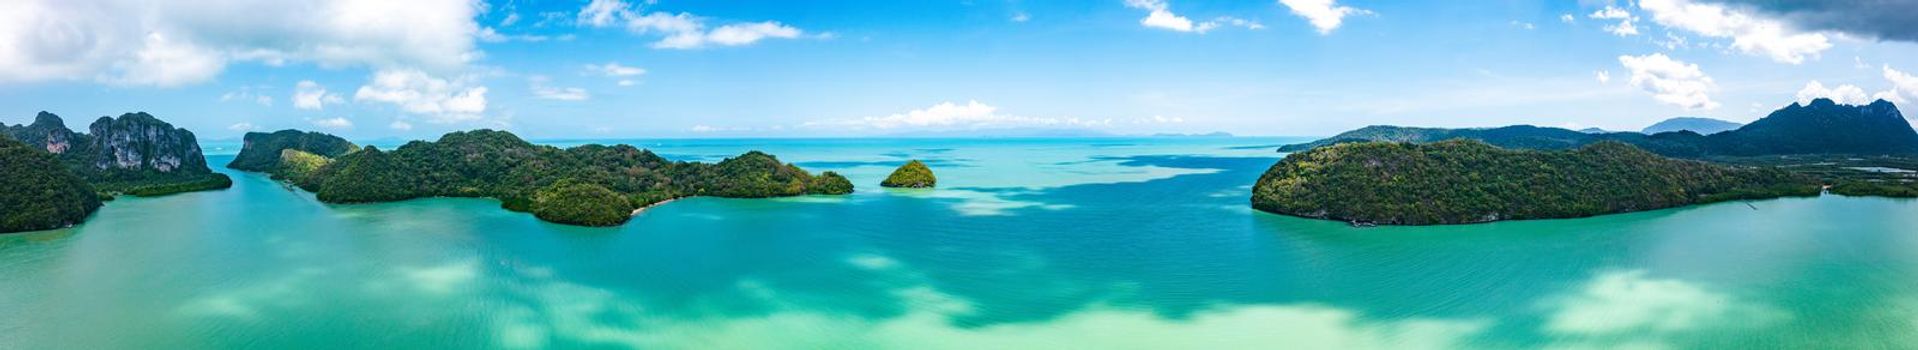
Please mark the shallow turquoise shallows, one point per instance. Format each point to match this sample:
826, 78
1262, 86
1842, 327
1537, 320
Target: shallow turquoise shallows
1027, 244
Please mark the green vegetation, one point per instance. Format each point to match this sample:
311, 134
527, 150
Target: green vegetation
39, 193
263, 151
831, 183
912, 175
578, 185
1906, 189
1465, 181
134, 154
573, 202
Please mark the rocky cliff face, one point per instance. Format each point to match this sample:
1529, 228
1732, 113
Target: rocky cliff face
47, 132
140, 142
133, 147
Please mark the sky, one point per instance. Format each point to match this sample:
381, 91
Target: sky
370, 69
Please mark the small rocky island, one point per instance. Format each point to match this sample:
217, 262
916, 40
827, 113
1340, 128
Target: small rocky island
590, 185
1467, 181
914, 174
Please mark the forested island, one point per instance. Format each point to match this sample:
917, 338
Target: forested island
1420, 176
914, 174
1467, 181
592, 185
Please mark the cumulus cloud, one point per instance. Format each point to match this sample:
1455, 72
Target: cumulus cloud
400, 125
1883, 20
1750, 33
1604, 77
145, 43
1159, 15
542, 88
681, 30
1625, 20
952, 116
1902, 84
310, 95
333, 123
1325, 15
1671, 81
1843, 94
242, 127
414, 91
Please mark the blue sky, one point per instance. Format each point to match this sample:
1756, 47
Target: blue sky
608, 69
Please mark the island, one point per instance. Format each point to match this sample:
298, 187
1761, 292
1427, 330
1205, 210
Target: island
1467, 181
134, 154
1419, 176
41, 194
589, 185
914, 174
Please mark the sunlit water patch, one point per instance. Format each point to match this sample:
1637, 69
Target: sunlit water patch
1027, 244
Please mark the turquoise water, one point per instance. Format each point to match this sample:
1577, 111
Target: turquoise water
1028, 244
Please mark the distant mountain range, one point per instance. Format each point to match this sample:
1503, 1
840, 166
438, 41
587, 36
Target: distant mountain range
1702, 126
1821, 127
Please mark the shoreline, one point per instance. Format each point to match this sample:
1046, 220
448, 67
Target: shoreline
638, 210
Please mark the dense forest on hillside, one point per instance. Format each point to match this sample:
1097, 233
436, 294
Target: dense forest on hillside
261, 152
1466, 181
569, 185
39, 192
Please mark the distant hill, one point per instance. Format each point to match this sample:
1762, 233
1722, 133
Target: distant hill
1822, 127
1702, 126
1467, 181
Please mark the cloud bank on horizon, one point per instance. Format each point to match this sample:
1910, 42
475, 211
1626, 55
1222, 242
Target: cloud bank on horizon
374, 68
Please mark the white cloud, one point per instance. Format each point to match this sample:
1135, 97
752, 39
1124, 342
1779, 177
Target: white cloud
1671, 81
614, 69
1567, 18
1021, 17
681, 30
627, 83
333, 123
1749, 33
1604, 77
541, 88
1843, 94
133, 42
310, 95
950, 116
1625, 26
440, 100
247, 93
242, 127
1159, 15
1902, 84
1525, 25
400, 125
1325, 15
